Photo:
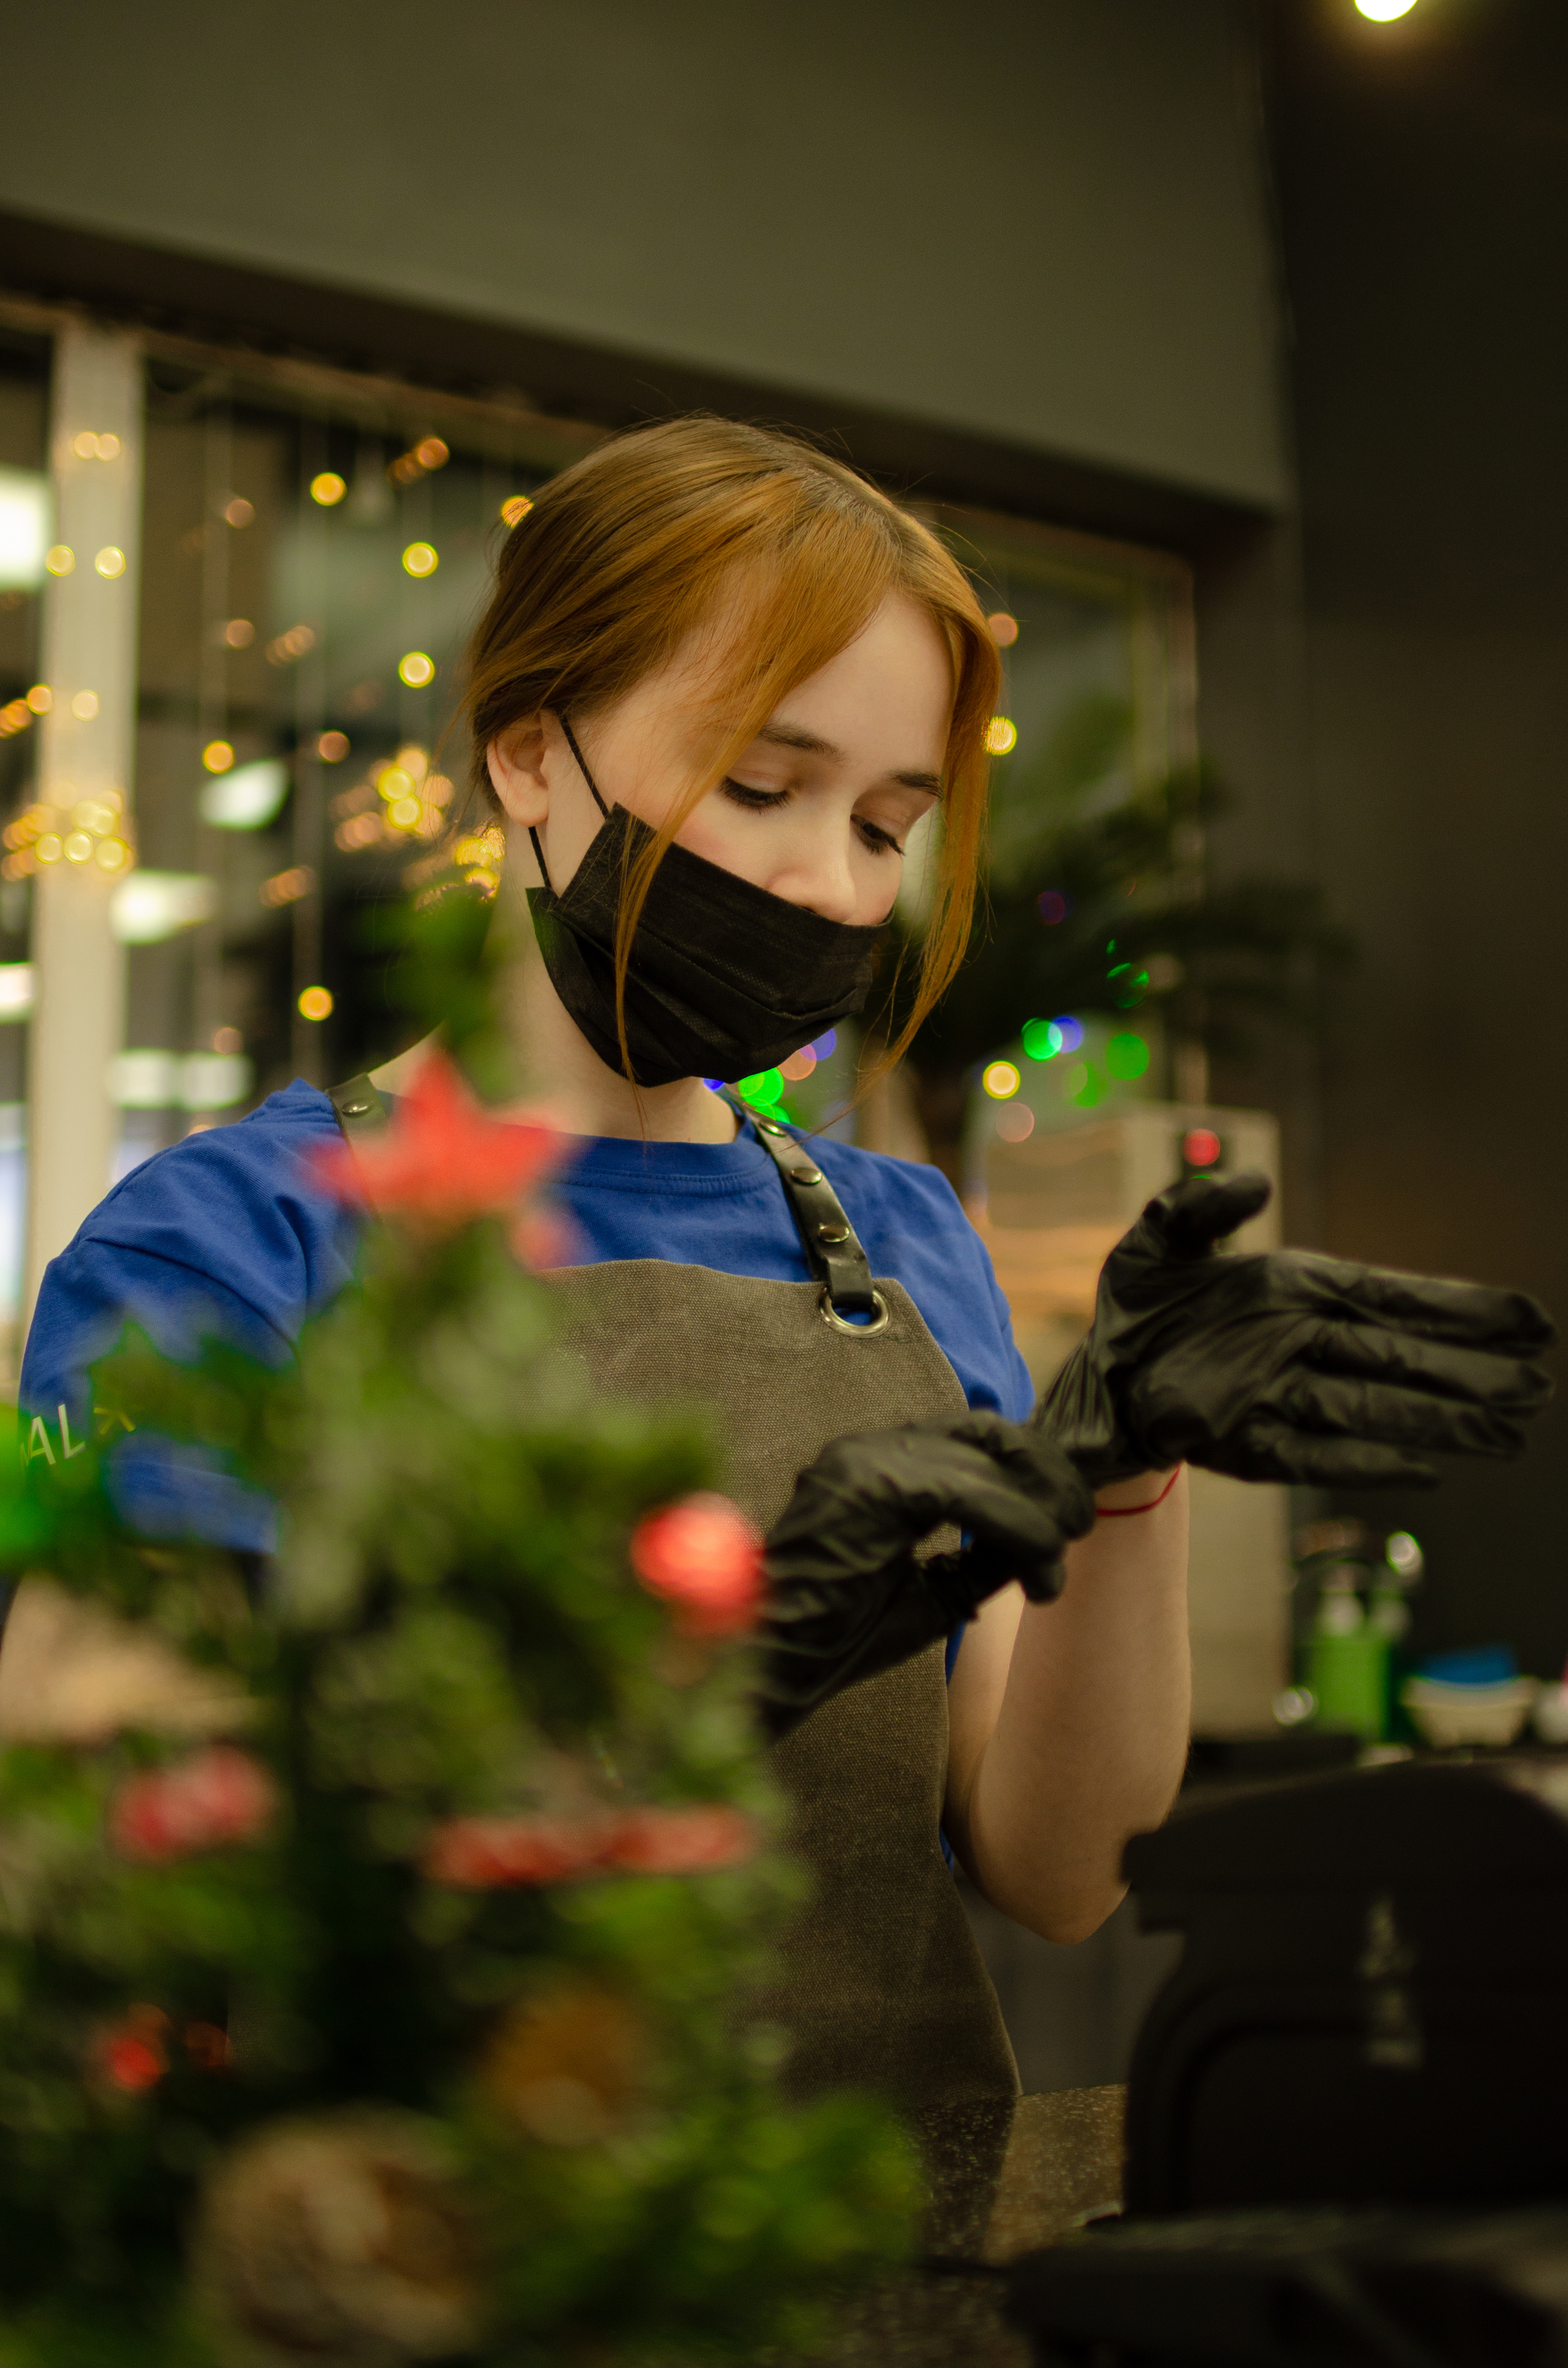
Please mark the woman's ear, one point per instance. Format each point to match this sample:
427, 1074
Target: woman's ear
515, 763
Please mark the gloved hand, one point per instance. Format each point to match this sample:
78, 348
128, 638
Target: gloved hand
846, 1596
1285, 1365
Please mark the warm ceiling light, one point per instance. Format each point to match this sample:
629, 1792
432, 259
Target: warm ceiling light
1383, 12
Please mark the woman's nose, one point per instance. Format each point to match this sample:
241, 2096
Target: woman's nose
823, 881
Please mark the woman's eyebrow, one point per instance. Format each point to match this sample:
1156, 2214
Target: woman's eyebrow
795, 735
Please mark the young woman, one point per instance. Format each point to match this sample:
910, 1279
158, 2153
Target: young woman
721, 682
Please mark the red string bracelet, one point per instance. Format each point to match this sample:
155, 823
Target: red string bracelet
1125, 1512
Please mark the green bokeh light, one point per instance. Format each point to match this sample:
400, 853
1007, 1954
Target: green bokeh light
766, 1087
1126, 1056
1042, 1038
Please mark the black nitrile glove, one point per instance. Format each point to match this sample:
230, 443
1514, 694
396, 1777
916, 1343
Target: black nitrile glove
1285, 1365
846, 1596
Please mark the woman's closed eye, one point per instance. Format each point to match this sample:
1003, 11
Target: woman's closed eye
873, 834
754, 800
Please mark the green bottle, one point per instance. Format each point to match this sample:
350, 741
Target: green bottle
1347, 1659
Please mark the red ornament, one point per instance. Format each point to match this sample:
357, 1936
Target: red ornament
216, 1796
499, 1854
704, 1558
683, 1841
442, 1161
491, 1853
131, 2055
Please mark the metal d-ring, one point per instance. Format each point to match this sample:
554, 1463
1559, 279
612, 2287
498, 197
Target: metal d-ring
830, 1315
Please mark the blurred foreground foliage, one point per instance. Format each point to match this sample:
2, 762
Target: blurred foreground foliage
371, 1990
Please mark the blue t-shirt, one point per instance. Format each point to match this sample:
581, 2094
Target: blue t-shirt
228, 1233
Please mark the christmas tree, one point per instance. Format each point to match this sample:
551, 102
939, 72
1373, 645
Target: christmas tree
377, 1925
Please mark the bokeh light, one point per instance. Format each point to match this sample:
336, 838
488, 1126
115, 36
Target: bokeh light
296, 642
515, 508
766, 1087
1014, 1121
239, 512
1004, 629
1383, 12
417, 670
60, 559
1071, 1033
85, 706
1053, 905
1042, 1038
421, 559
1126, 1056
1200, 1146
1000, 1079
315, 1003
239, 633
328, 489
823, 1046
332, 747
1001, 735
217, 756
799, 1066
111, 561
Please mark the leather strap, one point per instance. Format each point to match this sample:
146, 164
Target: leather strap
832, 1248
359, 1107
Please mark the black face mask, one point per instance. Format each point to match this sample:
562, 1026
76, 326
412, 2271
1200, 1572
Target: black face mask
725, 978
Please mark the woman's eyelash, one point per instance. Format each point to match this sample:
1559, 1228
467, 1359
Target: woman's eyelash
763, 800
756, 799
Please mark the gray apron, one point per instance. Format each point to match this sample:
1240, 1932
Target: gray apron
883, 1986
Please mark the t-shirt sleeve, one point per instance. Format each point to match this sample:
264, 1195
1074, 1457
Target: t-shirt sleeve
214, 1239
915, 1229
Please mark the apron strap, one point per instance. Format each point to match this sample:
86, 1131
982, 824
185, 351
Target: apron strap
359, 1107
832, 1248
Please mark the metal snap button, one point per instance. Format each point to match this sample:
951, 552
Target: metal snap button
806, 1175
831, 1233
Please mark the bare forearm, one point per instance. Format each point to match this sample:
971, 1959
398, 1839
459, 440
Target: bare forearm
1076, 1740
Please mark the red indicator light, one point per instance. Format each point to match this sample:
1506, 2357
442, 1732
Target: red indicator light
1200, 1146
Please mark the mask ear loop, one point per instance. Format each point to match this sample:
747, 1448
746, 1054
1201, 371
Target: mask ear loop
533, 835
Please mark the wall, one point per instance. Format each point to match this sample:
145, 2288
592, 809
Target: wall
1042, 221
1424, 179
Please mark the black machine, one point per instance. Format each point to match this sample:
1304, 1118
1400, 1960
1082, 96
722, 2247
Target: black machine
1354, 2084
1311, 2289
